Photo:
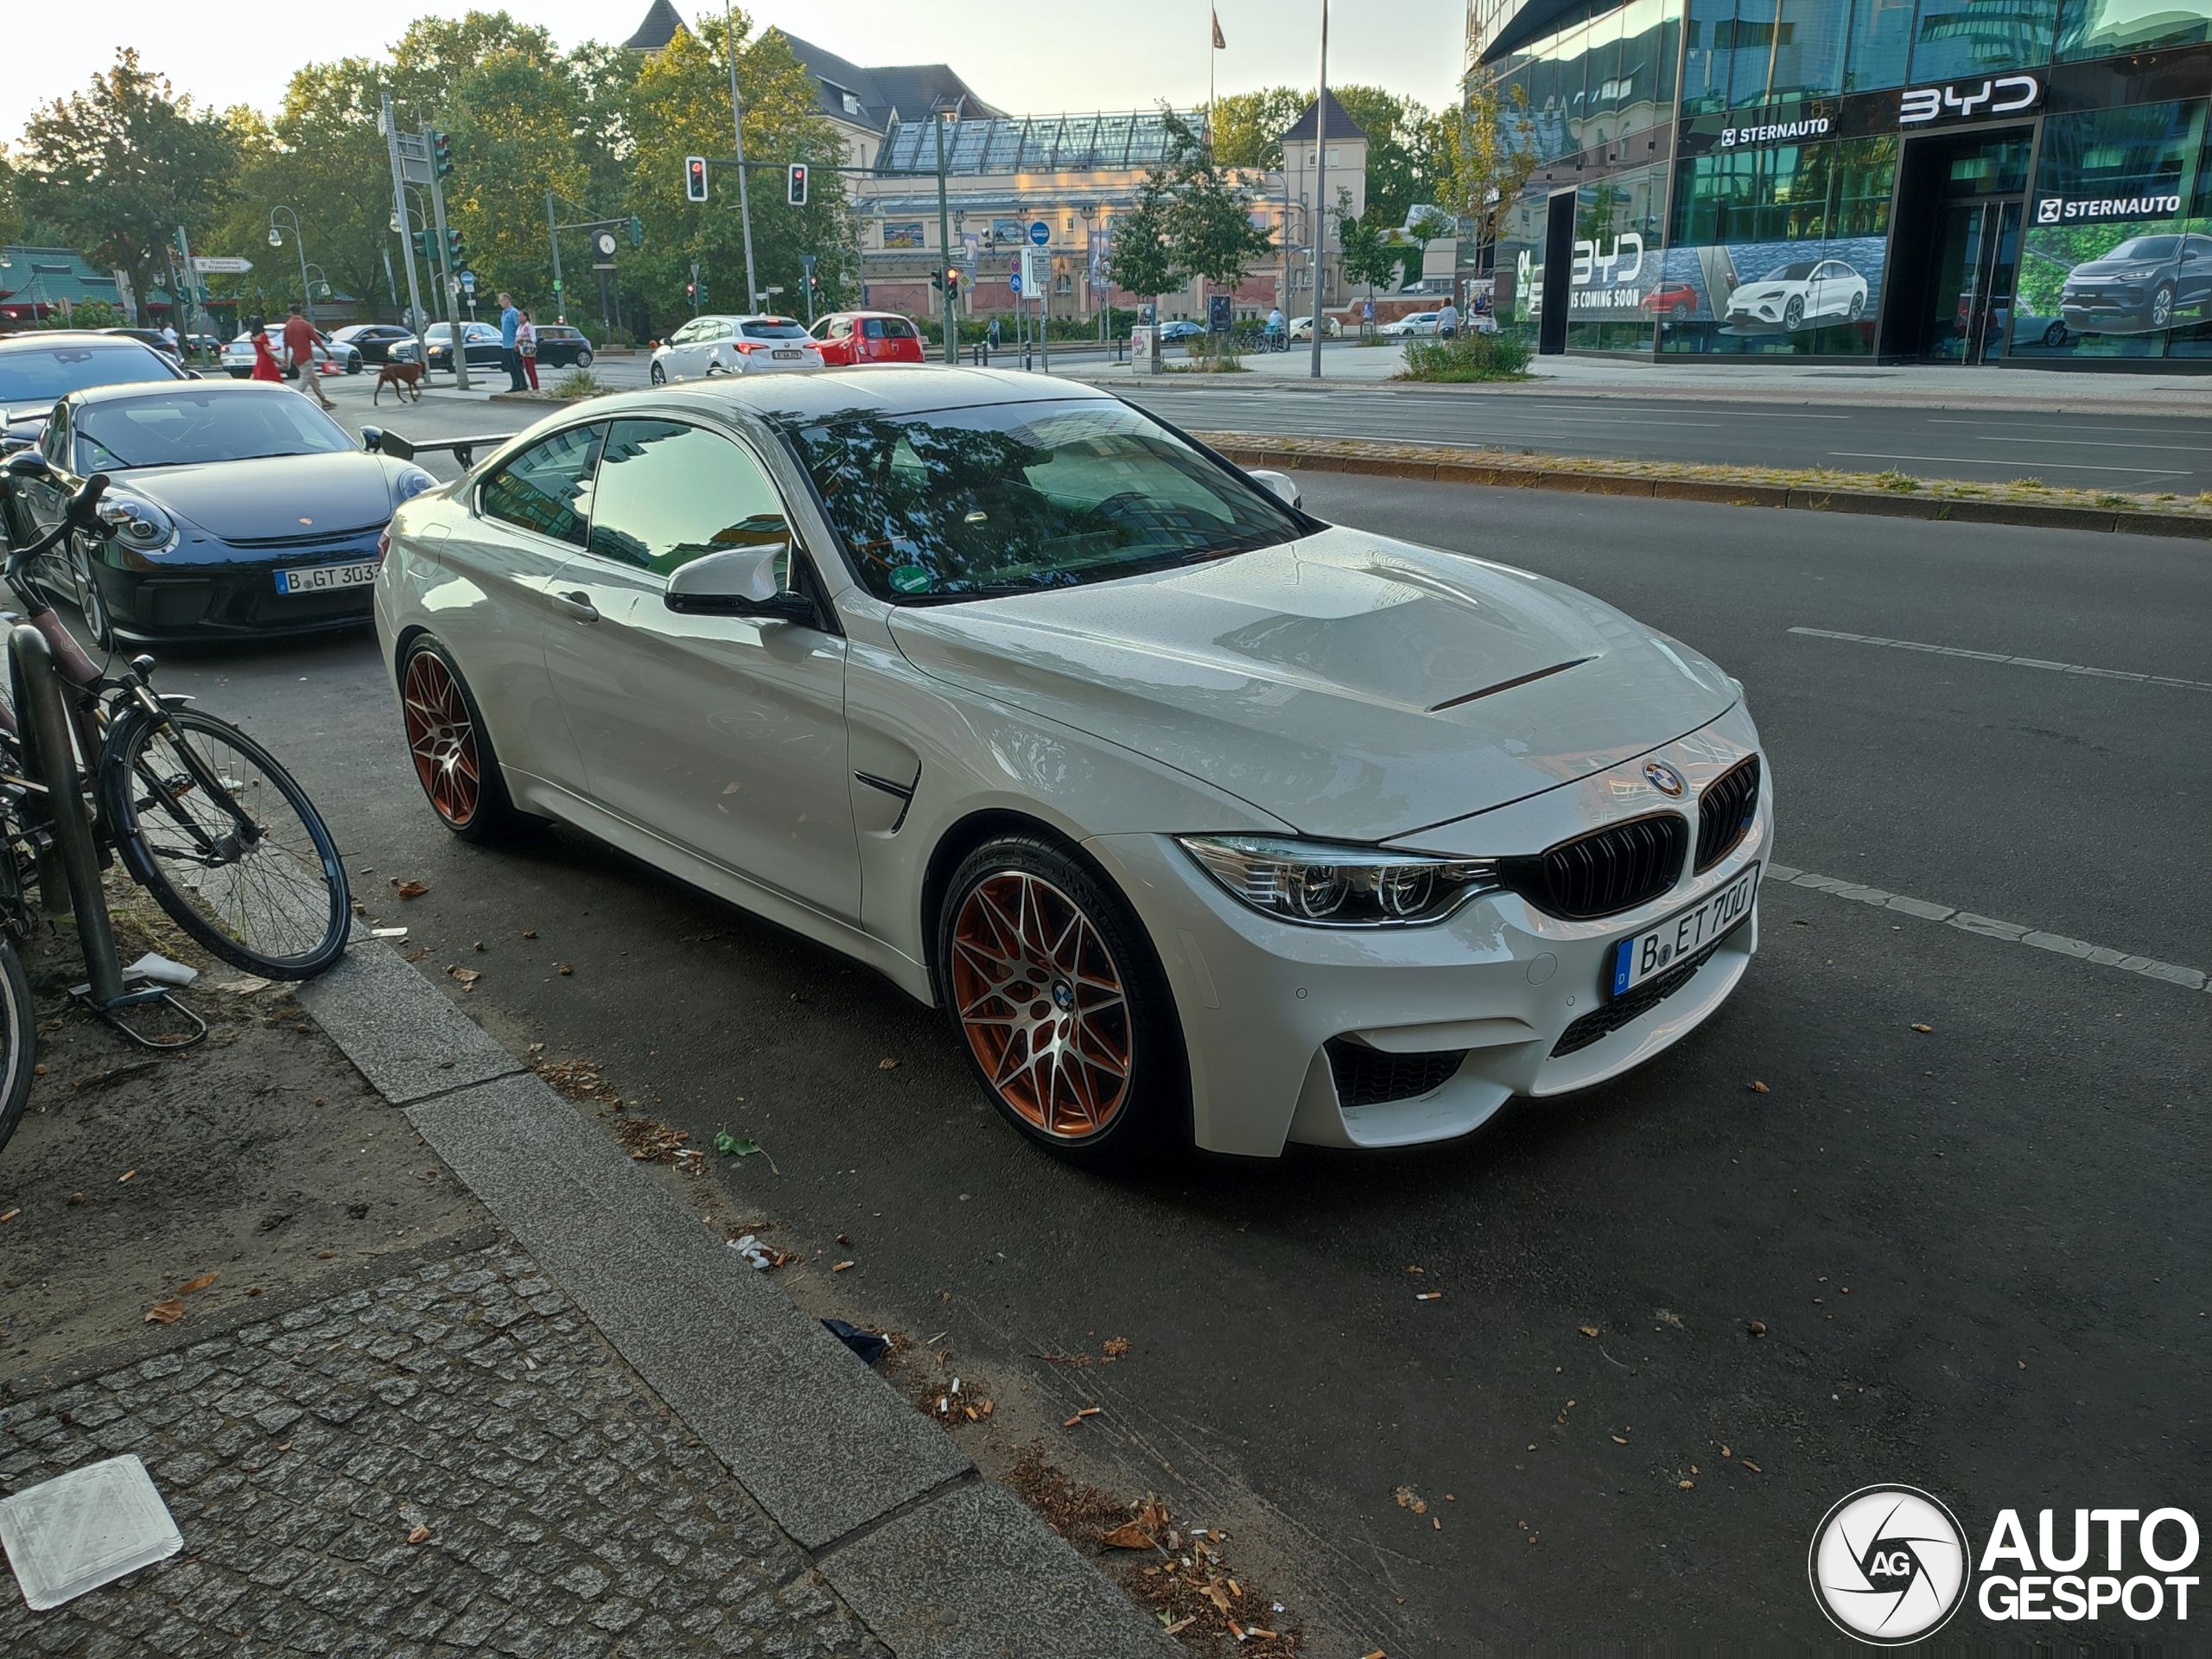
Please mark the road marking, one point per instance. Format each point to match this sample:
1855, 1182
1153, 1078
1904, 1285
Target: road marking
2098, 443
1979, 460
1989, 927
2044, 426
2000, 656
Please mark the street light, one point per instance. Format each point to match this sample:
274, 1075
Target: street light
300, 247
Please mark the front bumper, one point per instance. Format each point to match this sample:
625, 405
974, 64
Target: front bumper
1289, 1029
182, 600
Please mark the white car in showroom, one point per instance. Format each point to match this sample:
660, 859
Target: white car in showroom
707, 346
1790, 297
1200, 819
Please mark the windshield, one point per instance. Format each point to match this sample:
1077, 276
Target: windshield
1017, 497
35, 375
2146, 247
1789, 273
180, 429
771, 328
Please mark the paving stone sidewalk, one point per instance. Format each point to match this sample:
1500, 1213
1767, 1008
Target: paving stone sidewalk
570, 1513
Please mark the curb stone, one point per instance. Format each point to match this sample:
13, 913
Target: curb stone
1551, 474
940, 1563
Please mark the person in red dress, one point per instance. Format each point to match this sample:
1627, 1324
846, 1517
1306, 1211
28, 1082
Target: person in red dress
264, 360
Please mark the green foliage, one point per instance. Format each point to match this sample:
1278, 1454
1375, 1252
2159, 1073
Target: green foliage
115, 169
1402, 136
1247, 127
1467, 357
1371, 256
1138, 260
1485, 152
579, 382
86, 314
1209, 214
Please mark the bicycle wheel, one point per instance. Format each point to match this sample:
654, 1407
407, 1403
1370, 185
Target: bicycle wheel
214, 828
19, 1027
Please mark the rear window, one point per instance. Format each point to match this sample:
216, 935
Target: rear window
773, 328
887, 328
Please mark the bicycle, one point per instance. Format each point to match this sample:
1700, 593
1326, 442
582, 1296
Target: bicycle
203, 816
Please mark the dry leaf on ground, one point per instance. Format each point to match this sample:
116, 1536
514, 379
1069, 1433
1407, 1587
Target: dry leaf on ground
199, 1283
1758, 1088
418, 1535
1589, 1329
409, 887
1116, 1346
467, 976
168, 1313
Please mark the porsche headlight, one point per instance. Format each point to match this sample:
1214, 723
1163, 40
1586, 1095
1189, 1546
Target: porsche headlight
411, 482
138, 523
1323, 884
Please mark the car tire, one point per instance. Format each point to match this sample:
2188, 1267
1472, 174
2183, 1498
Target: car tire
1793, 314
1021, 910
2055, 336
1678, 311
450, 748
2162, 306
657, 375
353, 365
99, 627
240, 374
1858, 307
583, 359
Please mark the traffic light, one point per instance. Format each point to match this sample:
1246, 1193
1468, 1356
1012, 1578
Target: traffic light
937, 281
695, 177
441, 153
699, 296
456, 255
952, 284
421, 240
795, 185
637, 232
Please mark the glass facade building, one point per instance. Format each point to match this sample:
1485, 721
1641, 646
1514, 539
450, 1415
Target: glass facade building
2013, 182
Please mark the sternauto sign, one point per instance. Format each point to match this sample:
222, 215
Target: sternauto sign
1969, 100
1777, 132
2095, 210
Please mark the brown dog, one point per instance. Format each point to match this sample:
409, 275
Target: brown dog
401, 377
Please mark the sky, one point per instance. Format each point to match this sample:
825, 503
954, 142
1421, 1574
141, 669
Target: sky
1026, 58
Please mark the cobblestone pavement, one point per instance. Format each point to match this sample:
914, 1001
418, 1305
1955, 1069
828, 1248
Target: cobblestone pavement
568, 1513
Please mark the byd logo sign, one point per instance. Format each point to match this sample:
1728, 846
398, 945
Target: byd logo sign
1966, 100
1890, 1565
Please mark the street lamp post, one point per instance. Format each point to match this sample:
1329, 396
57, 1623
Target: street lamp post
299, 246
1320, 212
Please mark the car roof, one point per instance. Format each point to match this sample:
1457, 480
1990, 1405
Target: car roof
123, 391
886, 389
46, 339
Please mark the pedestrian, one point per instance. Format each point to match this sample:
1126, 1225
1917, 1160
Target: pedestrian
510, 359
256, 324
168, 337
301, 338
526, 349
265, 366
1448, 321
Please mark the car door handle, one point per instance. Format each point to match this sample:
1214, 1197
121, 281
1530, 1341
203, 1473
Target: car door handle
578, 605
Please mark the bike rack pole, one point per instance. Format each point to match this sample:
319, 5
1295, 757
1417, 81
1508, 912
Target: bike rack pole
39, 689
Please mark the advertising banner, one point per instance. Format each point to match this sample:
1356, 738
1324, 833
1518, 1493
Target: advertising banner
2118, 264
903, 233
1754, 289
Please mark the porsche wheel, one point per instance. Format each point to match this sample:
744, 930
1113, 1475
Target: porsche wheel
1062, 1008
99, 628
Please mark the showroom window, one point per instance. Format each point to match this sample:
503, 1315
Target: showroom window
2103, 28
1617, 228
1879, 45
1954, 39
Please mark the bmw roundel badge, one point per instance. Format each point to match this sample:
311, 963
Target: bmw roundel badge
1663, 778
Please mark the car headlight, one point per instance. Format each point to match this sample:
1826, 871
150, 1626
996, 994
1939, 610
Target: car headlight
1321, 883
411, 482
138, 523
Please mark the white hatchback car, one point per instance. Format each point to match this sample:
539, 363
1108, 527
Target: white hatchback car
1201, 819
712, 344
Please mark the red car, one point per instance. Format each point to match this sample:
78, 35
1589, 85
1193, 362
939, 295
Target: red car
1676, 300
849, 337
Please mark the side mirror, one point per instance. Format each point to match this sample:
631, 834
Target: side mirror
1279, 484
372, 438
742, 582
28, 463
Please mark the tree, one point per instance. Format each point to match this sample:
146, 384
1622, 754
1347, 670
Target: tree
1248, 127
1372, 255
1486, 149
1210, 234
117, 168
1137, 261
1401, 151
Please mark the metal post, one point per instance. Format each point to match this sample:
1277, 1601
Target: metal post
1320, 188
553, 234
306, 287
39, 697
450, 283
944, 244
737, 126
1045, 313
191, 280
806, 263
406, 238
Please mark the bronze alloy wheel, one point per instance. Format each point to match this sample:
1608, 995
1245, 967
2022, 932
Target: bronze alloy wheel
441, 736
1043, 1005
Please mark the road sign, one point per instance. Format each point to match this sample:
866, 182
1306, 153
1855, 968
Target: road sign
1039, 233
469, 281
1036, 272
1014, 281
414, 157
221, 264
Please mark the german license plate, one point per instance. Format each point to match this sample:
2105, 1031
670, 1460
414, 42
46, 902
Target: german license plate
792, 356
1650, 953
321, 578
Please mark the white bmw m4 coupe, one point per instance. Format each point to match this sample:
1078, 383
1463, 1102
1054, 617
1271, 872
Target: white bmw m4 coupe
1202, 820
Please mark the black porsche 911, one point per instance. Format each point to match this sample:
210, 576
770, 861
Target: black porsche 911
236, 508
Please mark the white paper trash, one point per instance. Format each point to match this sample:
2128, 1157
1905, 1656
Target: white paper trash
86, 1529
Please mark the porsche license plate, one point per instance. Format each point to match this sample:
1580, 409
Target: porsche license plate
1650, 953
321, 578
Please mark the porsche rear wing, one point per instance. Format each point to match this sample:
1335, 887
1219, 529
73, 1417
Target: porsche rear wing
379, 441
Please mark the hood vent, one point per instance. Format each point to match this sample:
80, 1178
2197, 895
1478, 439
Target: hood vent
1505, 685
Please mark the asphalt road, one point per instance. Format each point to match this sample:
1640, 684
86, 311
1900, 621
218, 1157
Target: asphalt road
1978, 1251
2132, 453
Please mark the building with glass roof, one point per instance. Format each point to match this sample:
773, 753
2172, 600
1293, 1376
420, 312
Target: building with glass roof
2020, 183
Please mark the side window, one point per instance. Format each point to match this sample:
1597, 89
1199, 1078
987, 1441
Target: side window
545, 488
668, 492
873, 328
840, 329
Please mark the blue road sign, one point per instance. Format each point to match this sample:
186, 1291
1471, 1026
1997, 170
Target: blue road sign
1039, 233
1014, 281
469, 281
